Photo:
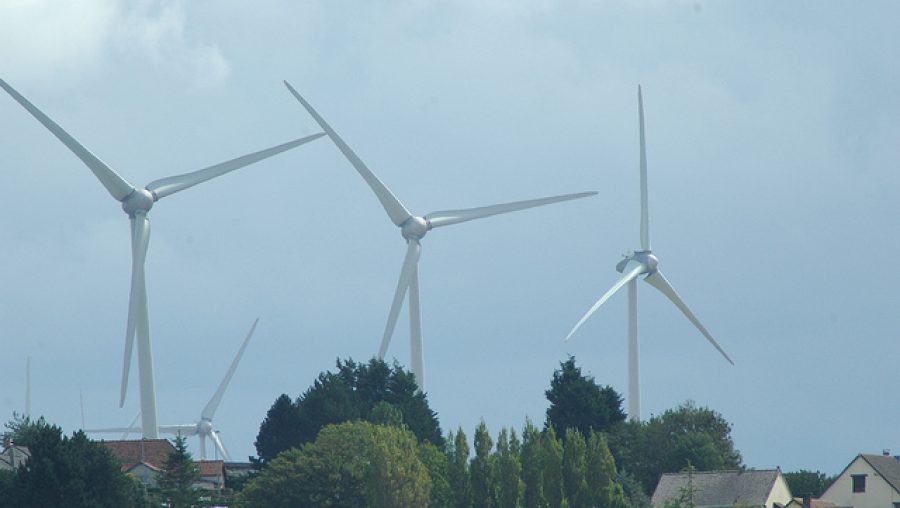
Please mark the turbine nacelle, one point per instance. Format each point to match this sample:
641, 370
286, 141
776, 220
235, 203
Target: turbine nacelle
414, 228
646, 258
140, 200
204, 427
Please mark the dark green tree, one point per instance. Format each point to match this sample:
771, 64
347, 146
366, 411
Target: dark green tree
179, 472
532, 468
804, 482
65, 471
458, 474
552, 458
348, 465
481, 469
509, 469
371, 391
577, 401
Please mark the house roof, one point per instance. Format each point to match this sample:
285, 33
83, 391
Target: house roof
718, 488
813, 503
153, 452
886, 466
14, 456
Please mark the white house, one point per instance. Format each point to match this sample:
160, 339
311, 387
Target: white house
753, 488
869, 481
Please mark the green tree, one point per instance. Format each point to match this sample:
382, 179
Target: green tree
509, 469
179, 472
65, 471
577, 401
532, 468
438, 466
552, 458
348, 465
605, 491
458, 474
575, 469
481, 469
804, 482
373, 391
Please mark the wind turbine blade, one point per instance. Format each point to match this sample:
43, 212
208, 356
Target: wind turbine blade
187, 429
214, 435
645, 207
410, 262
632, 270
448, 217
140, 240
213, 403
415, 331
394, 208
170, 185
659, 281
117, 186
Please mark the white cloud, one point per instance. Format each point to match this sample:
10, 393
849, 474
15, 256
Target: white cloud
46, 39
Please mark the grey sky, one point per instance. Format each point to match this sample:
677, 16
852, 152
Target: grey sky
772, 141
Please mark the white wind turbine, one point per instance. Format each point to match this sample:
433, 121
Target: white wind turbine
642, 262
413, 228
202, 428
136, 202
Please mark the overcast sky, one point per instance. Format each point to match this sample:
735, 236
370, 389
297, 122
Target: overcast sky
772, 141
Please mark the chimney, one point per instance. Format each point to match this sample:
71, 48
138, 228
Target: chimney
807, 500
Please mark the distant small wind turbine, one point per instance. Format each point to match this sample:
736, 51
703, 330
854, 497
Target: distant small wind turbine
413, 228
28, 387
642, 262
137, 202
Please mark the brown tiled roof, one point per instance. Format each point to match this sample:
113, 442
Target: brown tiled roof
211, 467
153, 452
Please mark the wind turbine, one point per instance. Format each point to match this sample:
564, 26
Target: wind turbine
203, 427
137, 202
643, 262
413, 228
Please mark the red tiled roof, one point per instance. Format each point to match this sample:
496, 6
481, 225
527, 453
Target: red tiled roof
153, 452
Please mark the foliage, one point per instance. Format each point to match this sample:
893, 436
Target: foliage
532, 467
804, 482
577, 401
509, 469
179, 472
458, 464
438, 467
65, 471
552, 458
666, 443
481, 469
605, 491
350, 464
373, 391
575, 469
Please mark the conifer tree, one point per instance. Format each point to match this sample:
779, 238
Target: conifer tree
605, 492
532, 469
575, 469
552, 457
458, 473
481, 469
178, 476
509, 469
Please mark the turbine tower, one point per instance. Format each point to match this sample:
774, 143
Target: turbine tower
413, 228
137, 202
202, 428
643, 262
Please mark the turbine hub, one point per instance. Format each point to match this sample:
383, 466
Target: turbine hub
646, 258
140, 200
415, 228
204, 427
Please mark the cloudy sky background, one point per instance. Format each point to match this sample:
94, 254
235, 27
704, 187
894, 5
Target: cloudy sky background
773, 144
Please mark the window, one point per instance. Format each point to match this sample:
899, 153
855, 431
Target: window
859, 482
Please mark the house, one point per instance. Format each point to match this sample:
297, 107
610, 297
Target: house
141, 458
212, 474
750, 488
868, 481
13, 456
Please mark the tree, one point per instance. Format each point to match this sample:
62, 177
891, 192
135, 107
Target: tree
481, 469
577, 401
813, 483
179, 472
372, 391
65, 471
438, 466
575, 469
552, 457
605, 492
350, 464
532, 468
458, 474
509, 469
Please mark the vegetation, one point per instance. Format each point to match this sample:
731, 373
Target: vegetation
578, 402
177, 478
804, 482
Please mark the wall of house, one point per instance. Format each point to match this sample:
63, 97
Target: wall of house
780, 493
878, 494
